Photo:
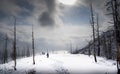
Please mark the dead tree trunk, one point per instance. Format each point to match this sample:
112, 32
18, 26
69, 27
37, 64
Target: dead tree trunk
110, 48
14, 45
89, 50
28, 52
33, 45
114, 5
117, 29
93, 27
71, 48
104, 44
5, 51
98, 36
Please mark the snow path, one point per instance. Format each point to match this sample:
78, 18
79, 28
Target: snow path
59, 68
61, 64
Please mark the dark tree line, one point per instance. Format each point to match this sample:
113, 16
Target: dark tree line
98, 35
5, 50
107, 45
16, 52
104, 44
28, 52
113, 6
4, 53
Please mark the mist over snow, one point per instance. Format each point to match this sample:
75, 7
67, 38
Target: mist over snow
58, 37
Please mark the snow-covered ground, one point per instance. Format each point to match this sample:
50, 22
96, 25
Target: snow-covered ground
61, 64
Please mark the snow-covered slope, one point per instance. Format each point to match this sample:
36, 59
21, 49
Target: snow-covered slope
61, 64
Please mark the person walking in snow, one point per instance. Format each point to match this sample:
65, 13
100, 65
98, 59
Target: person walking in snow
47, 55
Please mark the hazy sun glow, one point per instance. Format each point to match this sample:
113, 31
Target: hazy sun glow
67, 2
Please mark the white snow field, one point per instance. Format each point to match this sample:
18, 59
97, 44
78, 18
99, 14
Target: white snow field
61, 64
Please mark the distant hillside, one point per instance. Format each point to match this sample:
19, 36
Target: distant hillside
22, 47
107, 45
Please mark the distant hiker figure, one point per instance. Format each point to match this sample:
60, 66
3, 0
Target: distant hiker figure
47, 55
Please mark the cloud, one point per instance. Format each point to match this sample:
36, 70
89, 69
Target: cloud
9, 7
48, 17
98, 5
44, 14
99, 8
51, 6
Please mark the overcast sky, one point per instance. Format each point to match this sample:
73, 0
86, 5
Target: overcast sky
56, 23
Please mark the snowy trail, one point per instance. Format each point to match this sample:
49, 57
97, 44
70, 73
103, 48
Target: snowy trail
58, 66
84, 64
61, 64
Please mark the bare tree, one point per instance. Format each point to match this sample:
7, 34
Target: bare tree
33, 45
93, 27
88, 47
71, 47
5, 51
28, 52
89, 50
14, 44
98, 36
23, 52
109, 48
114, 6
18, 52
104, 44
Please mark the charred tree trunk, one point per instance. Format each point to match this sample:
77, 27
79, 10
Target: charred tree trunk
5, 51
117, 30
89, 51
33, 45
28, 52
109, 49
71, 48
14, 45
104, 45
93, 27
114, 5
98, 35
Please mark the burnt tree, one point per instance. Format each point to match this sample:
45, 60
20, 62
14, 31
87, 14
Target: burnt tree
28, 52
33, 45
14, 45
5, 59
98, 36
93, 28
114, 7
